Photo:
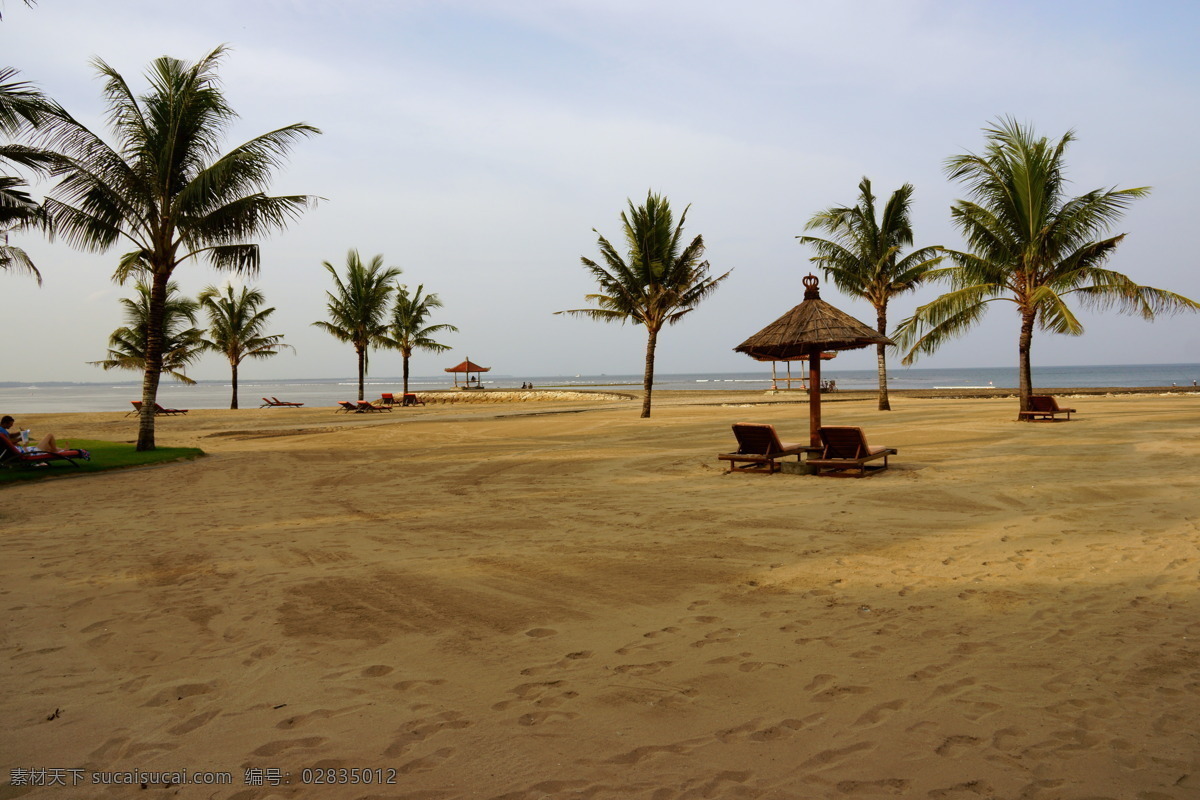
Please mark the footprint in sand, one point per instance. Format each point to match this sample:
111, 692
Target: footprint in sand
428, 762
377, 671
887, 786
192, 724
540, 633
418, 730
879, 713
569, 660
282, 745
642, 669
956, 745
717, 637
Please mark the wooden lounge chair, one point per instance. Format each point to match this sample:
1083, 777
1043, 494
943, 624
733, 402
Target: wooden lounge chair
1043, 406
364, 407
285, 403
168, 412
846, 448
387, 399
13, 458
758, 447
411, 399
347, 406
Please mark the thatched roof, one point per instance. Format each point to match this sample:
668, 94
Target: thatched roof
811, 327
467, 366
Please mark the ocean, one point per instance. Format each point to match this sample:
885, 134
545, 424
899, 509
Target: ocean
28, 398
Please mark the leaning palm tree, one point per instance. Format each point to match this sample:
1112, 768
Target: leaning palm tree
862, 257
1030, 245
165, 189
236, 323
409, 330
659, 284
358, 307
182, 341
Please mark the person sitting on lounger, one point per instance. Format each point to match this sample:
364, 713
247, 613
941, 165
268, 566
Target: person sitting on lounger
48, 444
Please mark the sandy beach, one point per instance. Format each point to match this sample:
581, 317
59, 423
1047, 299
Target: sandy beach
559, 599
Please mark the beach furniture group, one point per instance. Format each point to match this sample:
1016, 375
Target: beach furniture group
1044, 407
843, 450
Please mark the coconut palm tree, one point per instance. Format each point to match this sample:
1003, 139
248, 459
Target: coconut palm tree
165, 190
409, 330
358, 307
1030, 245
862, 257
659, 282
236, 323
22, 108
182, 342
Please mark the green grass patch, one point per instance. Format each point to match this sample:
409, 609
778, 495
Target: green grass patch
105, 456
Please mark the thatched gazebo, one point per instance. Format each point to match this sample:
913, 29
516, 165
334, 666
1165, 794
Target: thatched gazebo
467, 367
808, 330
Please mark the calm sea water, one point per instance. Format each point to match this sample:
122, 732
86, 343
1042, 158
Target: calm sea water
22, 398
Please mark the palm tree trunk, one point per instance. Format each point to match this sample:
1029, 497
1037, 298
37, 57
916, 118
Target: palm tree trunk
405, 378
154, 347
648, 379
233, 369
362, 369
881, 358
1026, 372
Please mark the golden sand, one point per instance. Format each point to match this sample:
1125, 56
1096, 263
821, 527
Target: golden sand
505, 601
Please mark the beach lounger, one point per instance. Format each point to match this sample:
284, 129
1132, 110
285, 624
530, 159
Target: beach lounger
13, 458
758, 447
411, 399
1043, 406
285, 403
347, 406
387, 399
168, 412
364, 407
845, 448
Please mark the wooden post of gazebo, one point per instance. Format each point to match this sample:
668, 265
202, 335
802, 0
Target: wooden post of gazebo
814, 398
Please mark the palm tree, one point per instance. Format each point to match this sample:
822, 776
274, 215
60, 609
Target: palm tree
165, 189
358, 308
182, 342
236, 324
862, 257
1032, 246
660, 283
22, 107
409, 330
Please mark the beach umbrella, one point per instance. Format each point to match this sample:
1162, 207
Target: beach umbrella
808, 330
467, 367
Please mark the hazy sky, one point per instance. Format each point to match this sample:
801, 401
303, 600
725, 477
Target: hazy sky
476, 144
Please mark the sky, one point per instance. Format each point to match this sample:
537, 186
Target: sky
480, 146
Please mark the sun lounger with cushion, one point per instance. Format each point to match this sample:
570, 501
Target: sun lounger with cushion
411, 399
1043, 406
12, 457
347, 406
845, 448
758, 447
365, 407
